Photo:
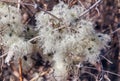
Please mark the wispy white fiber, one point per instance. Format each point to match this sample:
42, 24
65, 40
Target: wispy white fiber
69, 36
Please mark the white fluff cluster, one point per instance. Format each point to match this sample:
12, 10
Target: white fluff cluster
70, 40
18, 49
10, 28
10, 19
69, 37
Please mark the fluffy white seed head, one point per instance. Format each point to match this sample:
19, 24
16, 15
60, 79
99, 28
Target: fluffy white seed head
10, 19
71, 36
18, 49
60, 66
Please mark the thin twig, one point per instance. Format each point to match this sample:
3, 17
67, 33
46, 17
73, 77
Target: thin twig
40, 75
59, 28
81, 4
72, 2
115, 30
33, 38
20, 69
103, 70
93, 6
106, 77
3, 55
97, 11
90, 74
19, 4
15, 72
106, 59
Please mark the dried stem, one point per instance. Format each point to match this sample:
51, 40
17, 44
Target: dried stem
106, 59
115, 30
3, 55
15, 72
19, 4
102, 70
90, 74
40, 75
93, 6
106, 77
20, 69
81, 4
33, 38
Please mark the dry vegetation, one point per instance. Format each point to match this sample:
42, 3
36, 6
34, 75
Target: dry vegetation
106, 17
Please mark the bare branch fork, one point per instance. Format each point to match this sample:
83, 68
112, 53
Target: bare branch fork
90, 8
